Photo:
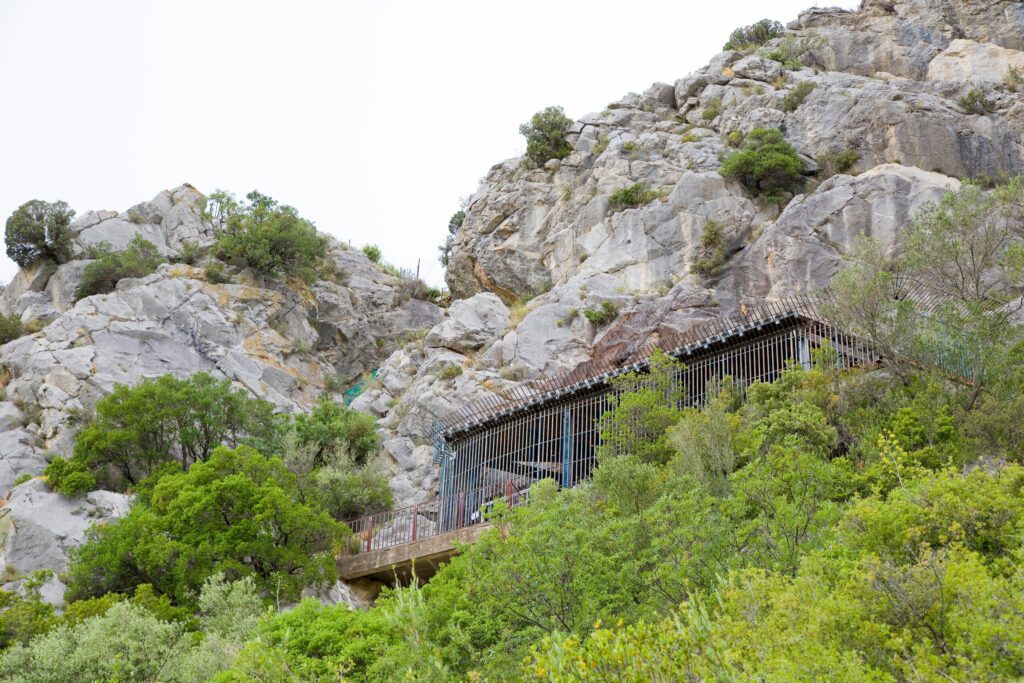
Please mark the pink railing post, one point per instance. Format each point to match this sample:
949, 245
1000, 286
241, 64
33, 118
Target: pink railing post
414, 518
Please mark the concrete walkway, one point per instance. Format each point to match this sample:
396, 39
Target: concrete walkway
397, 564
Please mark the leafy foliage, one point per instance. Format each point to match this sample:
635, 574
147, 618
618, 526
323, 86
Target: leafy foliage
976, 102
712, 257
766, 164
39, 230
137, 430
270, 238
139, 259
755, 35
236, 513
795, 97
830, 525
372, 252
10, 328
332, 428
638, 418
833, 163
316, 643
604, 314
140, 639
635, 195
545, 136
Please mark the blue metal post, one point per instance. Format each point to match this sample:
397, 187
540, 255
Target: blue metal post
566, 448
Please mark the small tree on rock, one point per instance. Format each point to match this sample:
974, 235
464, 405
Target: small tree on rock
545, 136
38, 230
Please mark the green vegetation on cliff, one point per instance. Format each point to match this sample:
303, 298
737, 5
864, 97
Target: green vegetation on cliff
842, 525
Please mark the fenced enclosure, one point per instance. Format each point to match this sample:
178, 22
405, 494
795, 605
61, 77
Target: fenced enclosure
551, 429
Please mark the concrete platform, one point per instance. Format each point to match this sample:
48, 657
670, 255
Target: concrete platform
396, 565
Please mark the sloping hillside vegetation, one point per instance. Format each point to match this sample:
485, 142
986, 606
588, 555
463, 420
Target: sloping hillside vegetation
842, 525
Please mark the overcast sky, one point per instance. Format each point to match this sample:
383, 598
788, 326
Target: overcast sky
372, 118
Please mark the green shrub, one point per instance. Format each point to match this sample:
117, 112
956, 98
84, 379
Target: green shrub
545, 136
712, 242
70, 477
372, 252
635, 195
22, 478
795, 97
449, 372
216, 274
139, 259
711, 234
734, 138
10, 328
318, 641
190, 252
39, 230
766, 164
712, 109
272, 239
607, 312
832, 163
137, 430
454, 223
977, 103
332, 427
171, 540
794, 53
755, 35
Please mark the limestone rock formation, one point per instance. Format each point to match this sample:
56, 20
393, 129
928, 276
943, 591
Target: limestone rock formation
547, 275
284, 346
883, 89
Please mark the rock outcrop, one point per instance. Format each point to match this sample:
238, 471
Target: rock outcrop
283, 345
890, 106
883, 88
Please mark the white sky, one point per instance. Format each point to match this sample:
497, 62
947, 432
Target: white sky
372, 118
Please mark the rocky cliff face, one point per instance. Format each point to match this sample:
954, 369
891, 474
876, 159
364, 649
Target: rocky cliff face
538, 248
888, 82
283, 344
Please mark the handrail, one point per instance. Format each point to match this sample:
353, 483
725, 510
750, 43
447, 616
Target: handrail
431, 518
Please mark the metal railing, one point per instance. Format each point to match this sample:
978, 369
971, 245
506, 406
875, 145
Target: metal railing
431, 518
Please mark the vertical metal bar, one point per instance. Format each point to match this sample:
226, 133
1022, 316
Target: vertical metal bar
566, 447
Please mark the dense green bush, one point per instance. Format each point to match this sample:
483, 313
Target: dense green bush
10, 328
332, 427
634, 195
603, 314
139, 639
39, 230
829, 525
139, 259
545, 136
238, 513
766, 164
748, 37
372, 252
795, 97
216, 274
317, 643
136, 430
272, 239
